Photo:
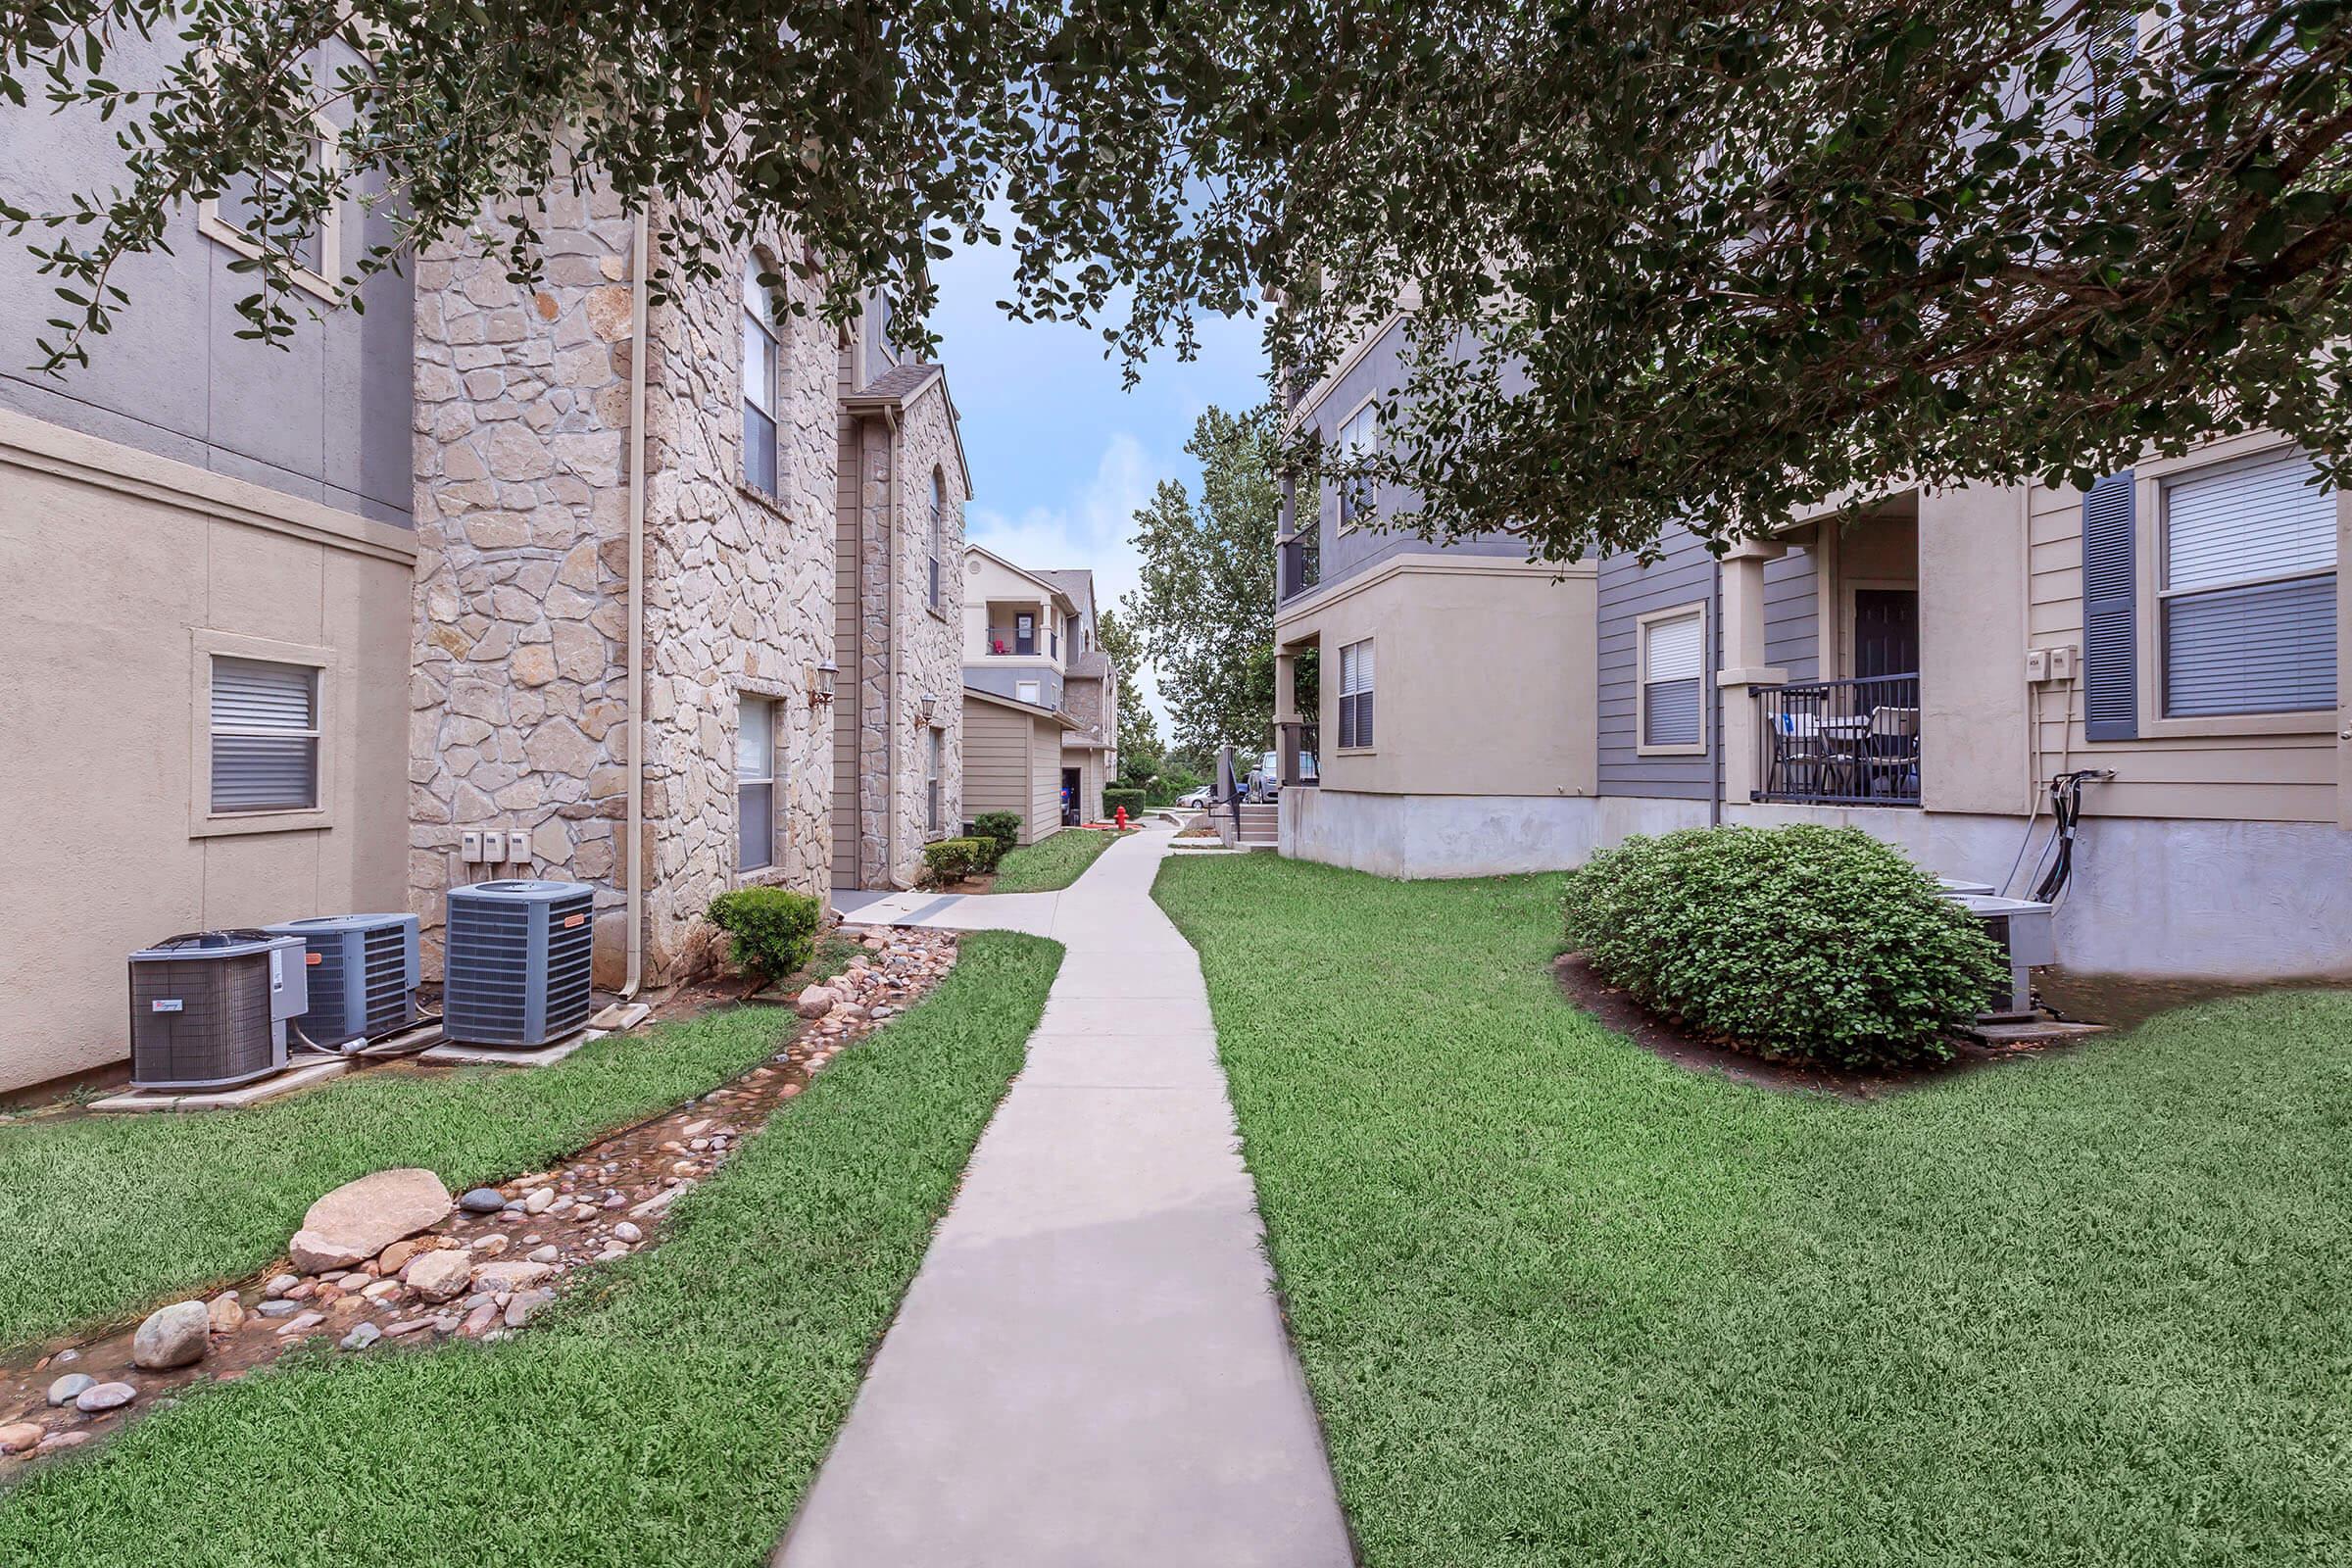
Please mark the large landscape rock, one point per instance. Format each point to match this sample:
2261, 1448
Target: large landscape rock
172, 1336
438, 1276
360, 1219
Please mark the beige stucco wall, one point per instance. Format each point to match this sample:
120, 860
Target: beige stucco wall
1484, 679
987, 582
1972, 640
123, 569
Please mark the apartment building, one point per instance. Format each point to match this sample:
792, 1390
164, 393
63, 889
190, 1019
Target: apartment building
1450, 729
291, 625
1041, 714
1922, 669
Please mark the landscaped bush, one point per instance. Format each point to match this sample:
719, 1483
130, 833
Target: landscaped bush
770, 931
951, 861
1806, 944
1116, 797
1001, 830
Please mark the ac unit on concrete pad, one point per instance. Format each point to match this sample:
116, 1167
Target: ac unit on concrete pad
209, 1009
2025, 931
364, 972
517, 962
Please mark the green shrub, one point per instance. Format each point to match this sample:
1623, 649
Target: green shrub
770, 931
1805, 944
951, 861
1002, 829
1115, 798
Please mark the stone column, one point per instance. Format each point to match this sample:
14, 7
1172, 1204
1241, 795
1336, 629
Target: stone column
1744, 665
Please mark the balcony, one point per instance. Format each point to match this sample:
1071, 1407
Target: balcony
1839, 742
1301, 561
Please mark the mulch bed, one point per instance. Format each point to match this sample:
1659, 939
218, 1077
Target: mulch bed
1712, 1054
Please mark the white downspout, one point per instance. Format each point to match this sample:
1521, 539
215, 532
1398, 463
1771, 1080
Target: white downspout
638, 346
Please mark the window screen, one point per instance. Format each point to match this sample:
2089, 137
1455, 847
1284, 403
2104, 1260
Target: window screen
755, 785
1355, 694
2249, 602
265, 734
1673, 670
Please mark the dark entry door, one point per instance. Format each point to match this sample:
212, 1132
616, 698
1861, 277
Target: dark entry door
1885, 632
1071, 814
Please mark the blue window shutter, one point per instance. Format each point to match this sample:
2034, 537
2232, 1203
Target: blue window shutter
2110, 612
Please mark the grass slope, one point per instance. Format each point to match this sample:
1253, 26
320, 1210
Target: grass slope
670, 1415
1050, 865
1560, 1302
101, 1216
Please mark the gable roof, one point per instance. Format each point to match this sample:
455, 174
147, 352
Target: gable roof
1043, 579
1076, 584
901, 385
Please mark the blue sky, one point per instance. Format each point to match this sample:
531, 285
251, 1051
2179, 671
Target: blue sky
1061, 455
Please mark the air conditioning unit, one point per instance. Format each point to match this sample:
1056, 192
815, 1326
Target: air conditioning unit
2024, 931
209, 1009
517, 962
364, 972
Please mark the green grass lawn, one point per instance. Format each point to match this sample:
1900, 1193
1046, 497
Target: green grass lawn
669, 1413
104, 1216
1051, 865
1561, 1302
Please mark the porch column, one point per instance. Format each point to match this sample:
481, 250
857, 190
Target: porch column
1743, 667
1286, 686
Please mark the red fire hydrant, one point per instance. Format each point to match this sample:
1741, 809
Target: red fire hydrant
1122, 820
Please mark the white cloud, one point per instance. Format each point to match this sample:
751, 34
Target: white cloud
1091, 530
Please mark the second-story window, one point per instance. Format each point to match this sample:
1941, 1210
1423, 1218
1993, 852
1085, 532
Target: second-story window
1673, 654
2248, 593
939, 530
1357, 438
762, 358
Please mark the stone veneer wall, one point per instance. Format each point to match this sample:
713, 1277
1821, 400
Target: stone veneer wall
902, 634
931, 644
518, 695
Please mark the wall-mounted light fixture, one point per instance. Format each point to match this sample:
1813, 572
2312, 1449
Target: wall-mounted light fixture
930, 705
820, 691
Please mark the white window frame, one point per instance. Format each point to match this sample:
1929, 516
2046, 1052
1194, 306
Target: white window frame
761, 317
2150, 531
1367, 691
322, 282
935, 748
747, 702
1643, 625
1347, 518
203, 646
1032, 692
938, 536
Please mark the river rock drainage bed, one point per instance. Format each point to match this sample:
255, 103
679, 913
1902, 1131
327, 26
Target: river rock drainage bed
393, 1256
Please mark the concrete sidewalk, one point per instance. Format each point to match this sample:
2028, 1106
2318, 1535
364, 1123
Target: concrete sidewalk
1089, 1369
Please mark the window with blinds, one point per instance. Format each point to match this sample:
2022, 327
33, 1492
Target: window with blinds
265, 736
762, 355
1355, 694
1673, 672
756, 784
2247, 604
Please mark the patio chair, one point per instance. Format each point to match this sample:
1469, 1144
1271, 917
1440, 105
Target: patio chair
1891, 758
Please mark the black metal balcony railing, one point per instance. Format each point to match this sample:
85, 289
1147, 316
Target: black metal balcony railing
1302, 565
1839, 742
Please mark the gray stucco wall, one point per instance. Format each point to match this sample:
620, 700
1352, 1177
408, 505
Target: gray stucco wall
326, 419
1347, 554
1683, 575
1792, 640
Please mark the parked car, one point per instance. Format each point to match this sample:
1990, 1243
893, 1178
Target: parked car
1199, 798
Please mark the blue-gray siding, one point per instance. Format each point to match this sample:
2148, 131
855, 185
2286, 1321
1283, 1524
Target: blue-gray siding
1347, 555
1005, 678
1628, 590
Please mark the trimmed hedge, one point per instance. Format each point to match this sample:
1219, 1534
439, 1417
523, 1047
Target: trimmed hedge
951, 861
1002, 829
770, 931
1116, 797
1804, 943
